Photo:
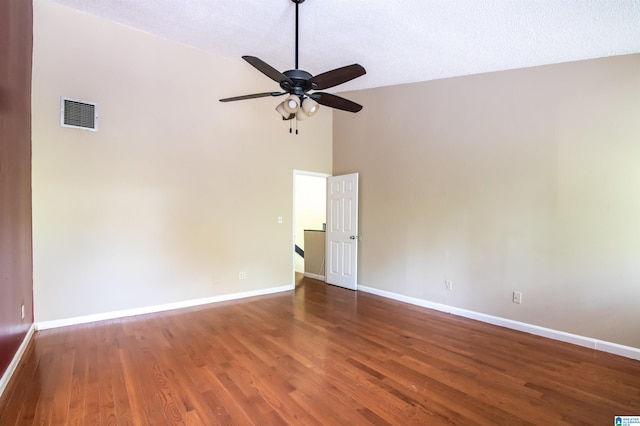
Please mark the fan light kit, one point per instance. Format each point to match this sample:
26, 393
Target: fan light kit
297, 83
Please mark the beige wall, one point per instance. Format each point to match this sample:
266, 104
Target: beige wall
314, 253
522, 180
525, 180
176, 193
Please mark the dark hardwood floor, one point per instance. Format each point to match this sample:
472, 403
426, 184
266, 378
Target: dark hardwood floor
319, 355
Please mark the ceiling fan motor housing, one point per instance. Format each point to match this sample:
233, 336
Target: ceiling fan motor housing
300, 79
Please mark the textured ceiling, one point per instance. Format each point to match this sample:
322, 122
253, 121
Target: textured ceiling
397, 41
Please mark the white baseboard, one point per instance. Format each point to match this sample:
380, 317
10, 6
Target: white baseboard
314, 276
44, 325
600, 345
4, 380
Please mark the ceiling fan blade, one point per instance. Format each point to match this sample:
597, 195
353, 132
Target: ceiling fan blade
267, 69
335, 77
253, 96
333, 101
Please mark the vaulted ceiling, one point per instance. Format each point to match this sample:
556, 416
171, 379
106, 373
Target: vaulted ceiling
397, 41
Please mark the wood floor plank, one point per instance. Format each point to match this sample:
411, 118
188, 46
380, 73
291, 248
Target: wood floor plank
314, 356
235, 409
63, 388
44, 361
20, 392
91, 409
121, 397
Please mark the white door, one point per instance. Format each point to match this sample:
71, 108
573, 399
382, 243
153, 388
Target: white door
342, 231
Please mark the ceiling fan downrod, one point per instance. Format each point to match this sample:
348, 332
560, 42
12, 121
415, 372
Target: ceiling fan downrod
297, 2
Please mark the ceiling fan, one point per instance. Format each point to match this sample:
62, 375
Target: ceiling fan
300, 85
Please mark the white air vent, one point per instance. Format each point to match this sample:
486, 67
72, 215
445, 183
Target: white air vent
78, 114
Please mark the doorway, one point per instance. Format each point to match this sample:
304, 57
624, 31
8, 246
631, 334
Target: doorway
309, 213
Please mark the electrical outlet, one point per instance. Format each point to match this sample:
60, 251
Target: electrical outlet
22, 312
242, 276
517, 297
448, 284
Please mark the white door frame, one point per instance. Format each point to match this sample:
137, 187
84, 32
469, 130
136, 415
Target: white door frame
293, 215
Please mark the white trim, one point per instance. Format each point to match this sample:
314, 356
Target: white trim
314, 276
306, 173
44, 325
589, 342
13, 365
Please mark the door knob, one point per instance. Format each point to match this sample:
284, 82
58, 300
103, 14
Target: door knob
353, 237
